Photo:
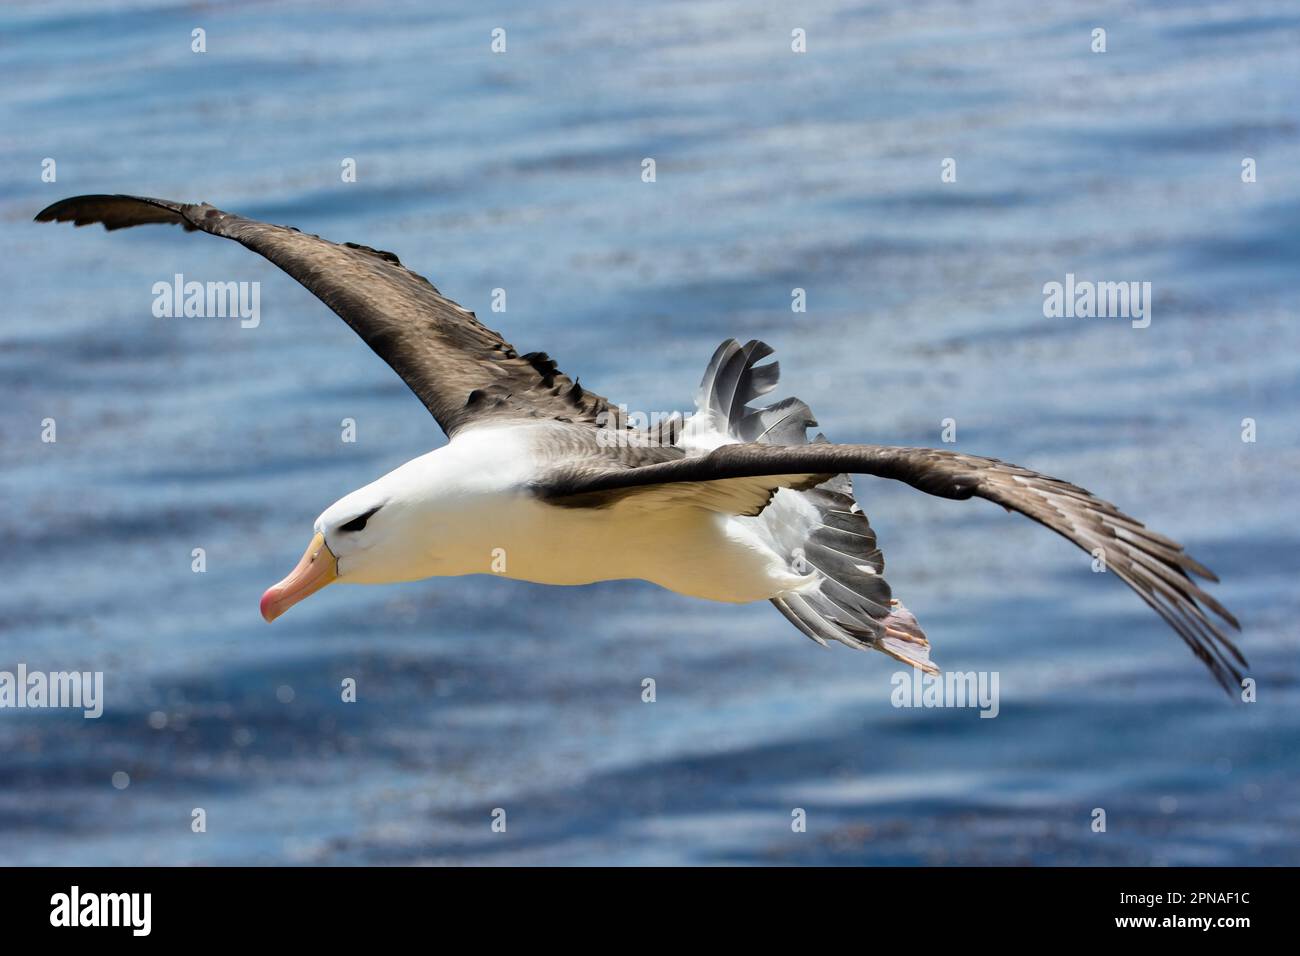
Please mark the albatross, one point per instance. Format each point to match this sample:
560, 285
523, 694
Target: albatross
544, 480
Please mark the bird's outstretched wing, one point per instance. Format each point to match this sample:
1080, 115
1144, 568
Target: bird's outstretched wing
1152, 565
461, 370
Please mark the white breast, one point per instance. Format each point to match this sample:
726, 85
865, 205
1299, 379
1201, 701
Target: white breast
689, 550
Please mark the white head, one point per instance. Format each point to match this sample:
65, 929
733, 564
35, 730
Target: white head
432, 516
380, 534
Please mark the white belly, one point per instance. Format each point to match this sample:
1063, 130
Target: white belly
689, 550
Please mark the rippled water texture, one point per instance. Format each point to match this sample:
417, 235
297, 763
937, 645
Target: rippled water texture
774, 170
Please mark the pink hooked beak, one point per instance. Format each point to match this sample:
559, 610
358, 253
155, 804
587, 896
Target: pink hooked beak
317, 568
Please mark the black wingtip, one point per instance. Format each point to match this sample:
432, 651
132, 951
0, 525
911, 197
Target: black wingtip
65, 210
50, 212
115, 211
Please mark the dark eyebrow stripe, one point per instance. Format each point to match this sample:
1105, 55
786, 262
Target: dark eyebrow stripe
359, 522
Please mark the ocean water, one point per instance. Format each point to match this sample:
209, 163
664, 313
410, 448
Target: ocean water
774, 171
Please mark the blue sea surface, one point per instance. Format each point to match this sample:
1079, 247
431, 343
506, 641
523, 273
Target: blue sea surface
775, 170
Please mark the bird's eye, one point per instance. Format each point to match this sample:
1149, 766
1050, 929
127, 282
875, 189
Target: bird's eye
359, 522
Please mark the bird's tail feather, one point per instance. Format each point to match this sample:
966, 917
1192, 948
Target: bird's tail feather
821, 531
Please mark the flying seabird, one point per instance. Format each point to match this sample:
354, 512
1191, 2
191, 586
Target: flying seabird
543, 480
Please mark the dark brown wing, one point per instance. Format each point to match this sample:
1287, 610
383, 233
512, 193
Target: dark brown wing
1151, 564
461, 370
